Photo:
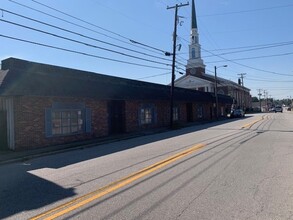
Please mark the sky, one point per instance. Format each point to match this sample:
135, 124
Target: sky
129, 38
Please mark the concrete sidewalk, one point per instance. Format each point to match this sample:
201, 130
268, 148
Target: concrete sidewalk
8, 156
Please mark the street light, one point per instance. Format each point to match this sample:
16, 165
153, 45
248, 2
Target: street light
216, 88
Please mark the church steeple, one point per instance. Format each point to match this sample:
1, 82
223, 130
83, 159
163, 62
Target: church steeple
195, 65
193, 16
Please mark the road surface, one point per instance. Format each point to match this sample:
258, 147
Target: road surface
233, 169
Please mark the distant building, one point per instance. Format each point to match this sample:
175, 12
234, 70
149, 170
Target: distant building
196, 78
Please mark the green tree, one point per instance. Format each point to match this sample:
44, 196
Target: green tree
254, 99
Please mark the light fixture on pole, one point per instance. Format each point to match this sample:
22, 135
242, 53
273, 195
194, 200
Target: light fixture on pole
216, 89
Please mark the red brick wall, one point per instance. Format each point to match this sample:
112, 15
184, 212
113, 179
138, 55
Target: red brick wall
29, 121
132, 115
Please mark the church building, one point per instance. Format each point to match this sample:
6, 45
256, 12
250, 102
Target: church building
197, 79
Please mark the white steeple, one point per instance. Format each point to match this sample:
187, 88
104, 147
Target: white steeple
195, 65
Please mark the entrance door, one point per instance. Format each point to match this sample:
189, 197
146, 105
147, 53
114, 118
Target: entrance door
189, 112
3, 130
116, 111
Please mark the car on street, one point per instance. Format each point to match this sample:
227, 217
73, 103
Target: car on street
237, 113
278, 109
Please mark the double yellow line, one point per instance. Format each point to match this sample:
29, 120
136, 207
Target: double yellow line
249, 125
85, 199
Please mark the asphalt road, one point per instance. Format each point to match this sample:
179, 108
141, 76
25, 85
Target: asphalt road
234, 169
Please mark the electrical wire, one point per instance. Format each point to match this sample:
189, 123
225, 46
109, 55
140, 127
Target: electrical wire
250, 67
78, 52
147, 77
81, 35
104, 29
248, 11
252, 46
253, 49
83, 27
83, 43
257, 57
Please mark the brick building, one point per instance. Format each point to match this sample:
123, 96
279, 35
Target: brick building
43, 105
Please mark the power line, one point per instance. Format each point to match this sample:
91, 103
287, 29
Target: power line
248, 11
104, 29
261, 70
162, 74
83, 43
257, 57
232, 61
81, 35
253, 49
81, 26
229, 60
264, 80
76, 18
78, 52
258, 45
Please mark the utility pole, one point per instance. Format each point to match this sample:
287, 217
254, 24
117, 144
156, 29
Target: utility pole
242, 91
216, 90
265, 93
173, 59
242, 76
259, 96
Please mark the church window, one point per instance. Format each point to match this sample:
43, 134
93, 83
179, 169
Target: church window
193, 53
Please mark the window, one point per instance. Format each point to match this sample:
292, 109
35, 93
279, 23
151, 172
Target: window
64, 119
175, 113
193, 53
222, 111
67, 122
146, 115
200, 112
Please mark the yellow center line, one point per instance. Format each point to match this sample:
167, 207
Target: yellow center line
249, 125
85, 199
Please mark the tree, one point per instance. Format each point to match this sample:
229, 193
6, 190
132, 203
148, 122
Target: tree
255, 99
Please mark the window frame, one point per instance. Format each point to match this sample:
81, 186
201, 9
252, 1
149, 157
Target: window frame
66, 120
147, 114
200, 112
175, 113
83, 122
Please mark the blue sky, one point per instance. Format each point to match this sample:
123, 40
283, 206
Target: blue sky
252, 37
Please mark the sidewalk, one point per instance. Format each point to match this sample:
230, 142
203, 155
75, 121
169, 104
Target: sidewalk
8, 156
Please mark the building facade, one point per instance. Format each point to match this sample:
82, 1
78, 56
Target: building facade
43, 105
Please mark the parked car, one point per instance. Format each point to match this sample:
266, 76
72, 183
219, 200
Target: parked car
272, 109
278, 109
237, 113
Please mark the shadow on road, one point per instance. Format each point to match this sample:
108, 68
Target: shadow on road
22, 191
